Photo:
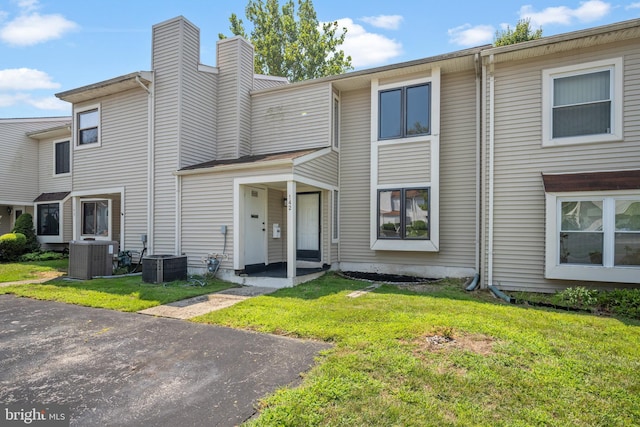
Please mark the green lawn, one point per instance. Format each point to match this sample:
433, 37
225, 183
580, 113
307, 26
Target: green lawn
16, 271
508, 365
123, 293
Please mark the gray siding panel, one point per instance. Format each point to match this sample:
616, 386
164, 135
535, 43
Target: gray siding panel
287, 120
519, 246
19, 164
457, 179
401, 163
120, 161
355, 152
207, 203
198, 106
264, 82
167, 55
323, 169
48, 182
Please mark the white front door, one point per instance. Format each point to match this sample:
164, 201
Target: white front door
254, 226
308, 226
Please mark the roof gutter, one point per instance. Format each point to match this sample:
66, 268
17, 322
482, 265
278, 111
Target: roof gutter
241, 166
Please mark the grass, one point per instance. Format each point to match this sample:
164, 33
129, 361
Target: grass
508, 365
17, 271
123, 293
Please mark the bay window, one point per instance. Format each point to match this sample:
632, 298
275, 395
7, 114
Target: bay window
48, 222
95, 218
593, 236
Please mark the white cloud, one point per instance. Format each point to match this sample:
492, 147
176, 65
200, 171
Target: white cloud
32, 29
9, 100
388, 22
365, 48
588, 11
633, 6
25, 79
28, 5
467, 35
49, 103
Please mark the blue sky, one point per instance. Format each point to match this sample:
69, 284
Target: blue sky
50, 46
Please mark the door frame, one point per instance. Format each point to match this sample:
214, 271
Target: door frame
310, 254
244, 212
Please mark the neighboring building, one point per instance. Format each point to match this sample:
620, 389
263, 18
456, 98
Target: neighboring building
452, 165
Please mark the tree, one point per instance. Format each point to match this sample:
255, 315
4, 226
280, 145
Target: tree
298, 49
521, 33
24, 226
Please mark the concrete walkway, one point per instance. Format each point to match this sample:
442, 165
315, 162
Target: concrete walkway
197, 306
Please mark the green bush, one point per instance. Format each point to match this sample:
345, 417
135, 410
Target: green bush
41, 256
622, 302
579, 296
24, 225
12, 245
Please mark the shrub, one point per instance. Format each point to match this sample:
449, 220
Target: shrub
24, 225
623, 302
12, 245
579, 297
41, 256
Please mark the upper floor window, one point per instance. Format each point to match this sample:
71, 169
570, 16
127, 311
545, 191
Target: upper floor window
88, 126
62, 158
583, 104
404, 112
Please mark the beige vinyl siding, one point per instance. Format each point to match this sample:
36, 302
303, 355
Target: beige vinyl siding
235, 62
457, 179
399, 163
265, 82
355, 152
167, 51
19, 163
207, 203
67, 224
292, 119
198, 106
48, 182
520, 159
120, 161
276, 215
323, 169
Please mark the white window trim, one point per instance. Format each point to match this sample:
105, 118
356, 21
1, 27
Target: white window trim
76, 125
50, 239
56, 142
594, 273
335, 216
616, 67
335, 142
109, 213
433, 244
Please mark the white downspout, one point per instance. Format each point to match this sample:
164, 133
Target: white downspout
491, 168
478, 157
150, 165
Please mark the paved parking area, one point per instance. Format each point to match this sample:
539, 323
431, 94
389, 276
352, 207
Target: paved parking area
128, 369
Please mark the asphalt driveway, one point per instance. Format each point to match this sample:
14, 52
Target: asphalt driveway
127, 369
